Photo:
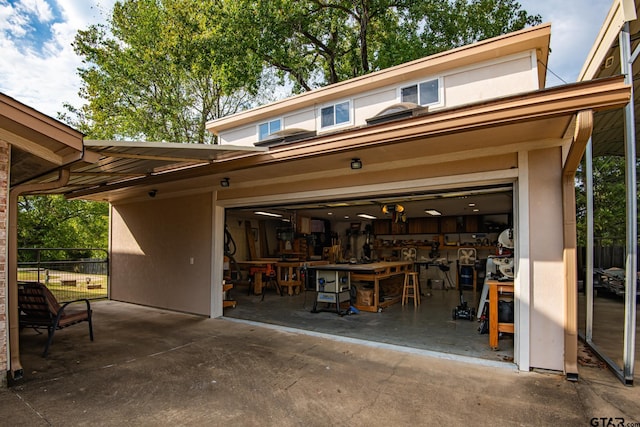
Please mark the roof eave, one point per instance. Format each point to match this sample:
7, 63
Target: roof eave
538, 105
621, 11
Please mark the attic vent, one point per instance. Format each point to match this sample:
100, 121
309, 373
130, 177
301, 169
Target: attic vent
398, 111
285, 136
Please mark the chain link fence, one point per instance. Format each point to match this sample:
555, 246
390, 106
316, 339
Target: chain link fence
70, 273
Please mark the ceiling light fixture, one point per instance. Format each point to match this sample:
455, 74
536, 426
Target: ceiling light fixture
356, 163
367, 216
433, 212
274, 215
224, 182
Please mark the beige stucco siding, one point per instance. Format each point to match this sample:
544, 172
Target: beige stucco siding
368, 106
546, 250
244, 136
305, 119
152, 246
491, 80
4, 194
487, 80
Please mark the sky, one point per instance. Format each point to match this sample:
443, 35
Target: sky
38, 66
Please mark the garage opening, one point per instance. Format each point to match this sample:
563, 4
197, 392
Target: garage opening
339, 267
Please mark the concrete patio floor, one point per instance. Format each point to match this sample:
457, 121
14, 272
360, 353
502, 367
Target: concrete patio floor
154, 367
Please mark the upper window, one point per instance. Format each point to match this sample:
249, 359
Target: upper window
336, 114
424, 93
267, 128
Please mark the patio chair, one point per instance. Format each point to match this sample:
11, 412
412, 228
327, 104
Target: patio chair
39, 309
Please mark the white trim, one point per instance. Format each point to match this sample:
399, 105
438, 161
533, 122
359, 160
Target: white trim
534, 70
440, 79
217, 256
522, 280
380, 189
335, 126
268, 123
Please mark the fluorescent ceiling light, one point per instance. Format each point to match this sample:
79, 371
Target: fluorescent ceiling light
472, 204
275, 215
337, 205
433, 212
367, 216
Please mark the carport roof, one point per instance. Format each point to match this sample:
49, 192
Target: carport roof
39, 143
106, 163
604, 61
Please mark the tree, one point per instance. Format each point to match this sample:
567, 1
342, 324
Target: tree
54, 222
609, 201
158, 73
161, 69
319, 42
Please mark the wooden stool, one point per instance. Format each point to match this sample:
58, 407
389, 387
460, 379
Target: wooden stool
411, 288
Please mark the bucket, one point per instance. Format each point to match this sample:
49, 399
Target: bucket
466, 275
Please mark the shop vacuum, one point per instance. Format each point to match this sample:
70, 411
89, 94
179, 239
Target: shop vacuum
463, 311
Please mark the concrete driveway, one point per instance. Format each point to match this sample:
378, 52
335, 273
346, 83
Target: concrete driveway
154, 367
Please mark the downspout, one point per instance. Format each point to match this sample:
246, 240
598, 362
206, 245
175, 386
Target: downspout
15, 367
581, 136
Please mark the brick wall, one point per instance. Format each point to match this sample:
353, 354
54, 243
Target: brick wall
4, 196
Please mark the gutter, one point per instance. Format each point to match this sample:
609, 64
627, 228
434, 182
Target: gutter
581, 136
15, 366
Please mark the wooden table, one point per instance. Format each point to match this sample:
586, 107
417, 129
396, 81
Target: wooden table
374, 272
259, 267
497, 288
288, 274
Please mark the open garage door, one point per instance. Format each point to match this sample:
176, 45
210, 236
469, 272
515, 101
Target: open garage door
453, 240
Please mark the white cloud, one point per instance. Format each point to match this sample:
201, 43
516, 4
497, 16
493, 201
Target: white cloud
39, 8
46, 79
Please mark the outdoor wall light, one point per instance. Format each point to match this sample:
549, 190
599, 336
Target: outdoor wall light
224, 182
356, 163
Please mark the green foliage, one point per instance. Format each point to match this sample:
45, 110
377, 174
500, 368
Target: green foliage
609, 201
319, 42
159, 71
54, 222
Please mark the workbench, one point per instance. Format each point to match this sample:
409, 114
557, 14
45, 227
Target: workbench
374, 272
496, 289
257, 268
288, 274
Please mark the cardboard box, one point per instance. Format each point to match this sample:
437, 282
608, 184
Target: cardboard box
364, 297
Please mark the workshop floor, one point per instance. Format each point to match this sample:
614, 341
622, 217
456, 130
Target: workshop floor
428, 327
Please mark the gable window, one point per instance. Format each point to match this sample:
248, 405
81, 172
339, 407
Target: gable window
425, 93
267, 128
336, 114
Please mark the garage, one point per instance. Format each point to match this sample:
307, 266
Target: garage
448, 238
486, 129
